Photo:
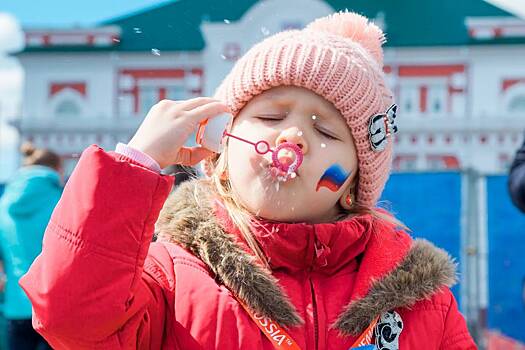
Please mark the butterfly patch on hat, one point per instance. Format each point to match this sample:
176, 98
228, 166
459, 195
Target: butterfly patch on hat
381, 127
388, 330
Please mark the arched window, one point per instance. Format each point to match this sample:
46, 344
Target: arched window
67, 108
67, 104
514, 99
517, 104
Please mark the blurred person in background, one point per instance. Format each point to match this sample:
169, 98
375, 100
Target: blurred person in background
25, 208
517, 179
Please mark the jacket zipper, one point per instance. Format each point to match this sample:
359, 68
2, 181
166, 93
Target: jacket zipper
316, 321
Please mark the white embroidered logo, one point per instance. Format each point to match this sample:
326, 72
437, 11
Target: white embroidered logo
381, 127
388, 330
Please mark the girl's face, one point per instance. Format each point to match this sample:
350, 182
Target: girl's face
296, 115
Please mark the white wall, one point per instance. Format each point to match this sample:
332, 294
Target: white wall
95, 69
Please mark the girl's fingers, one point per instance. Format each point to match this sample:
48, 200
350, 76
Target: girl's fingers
207, 111
190, 104
192, 155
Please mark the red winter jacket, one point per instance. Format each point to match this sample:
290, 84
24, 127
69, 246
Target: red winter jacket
100, 284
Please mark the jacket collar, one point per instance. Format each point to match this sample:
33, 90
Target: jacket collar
394, 271
324, 247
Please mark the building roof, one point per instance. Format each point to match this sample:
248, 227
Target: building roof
175, 25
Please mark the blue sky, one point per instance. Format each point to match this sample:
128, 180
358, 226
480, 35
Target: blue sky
60, 13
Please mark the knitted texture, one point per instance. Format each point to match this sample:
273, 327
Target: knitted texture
340, 58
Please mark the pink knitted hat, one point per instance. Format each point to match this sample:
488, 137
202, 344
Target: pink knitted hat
340, 58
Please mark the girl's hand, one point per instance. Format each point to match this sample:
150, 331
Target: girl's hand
168, 125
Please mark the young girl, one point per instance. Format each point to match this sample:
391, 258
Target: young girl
279, 248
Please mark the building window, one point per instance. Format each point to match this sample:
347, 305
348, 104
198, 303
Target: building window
440, 162
67, 103
517, 104
148, 96
231, 51
176, 93
405, 162
140, 89
409, 99
504, 161
125, 102
67, 108
437, 98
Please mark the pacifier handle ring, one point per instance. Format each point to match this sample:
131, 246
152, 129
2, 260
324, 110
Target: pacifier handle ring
295, 149
262, 147
265, 145
257, 145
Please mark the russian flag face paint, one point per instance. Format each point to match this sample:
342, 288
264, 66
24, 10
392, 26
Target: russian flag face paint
333, 178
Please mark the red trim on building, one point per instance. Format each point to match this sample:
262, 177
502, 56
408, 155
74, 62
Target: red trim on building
508, 83
135, 93
402, 158
453, 90
451, 162
430, 71
85, 38
423, 91
145, 74
447, 161
55, 88
162, 93
387, 69
154, 73
197, 71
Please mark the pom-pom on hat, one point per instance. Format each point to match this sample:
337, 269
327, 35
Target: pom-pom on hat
340, 58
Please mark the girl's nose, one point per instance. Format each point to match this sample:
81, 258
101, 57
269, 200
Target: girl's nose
295, 136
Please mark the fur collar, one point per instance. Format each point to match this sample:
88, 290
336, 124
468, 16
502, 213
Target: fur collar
187, 219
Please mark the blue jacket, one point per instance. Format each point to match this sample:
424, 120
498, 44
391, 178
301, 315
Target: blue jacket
25, 208
517, 179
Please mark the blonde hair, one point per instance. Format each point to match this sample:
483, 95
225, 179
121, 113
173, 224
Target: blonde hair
244, 220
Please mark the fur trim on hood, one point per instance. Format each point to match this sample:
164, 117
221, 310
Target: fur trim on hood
188, 220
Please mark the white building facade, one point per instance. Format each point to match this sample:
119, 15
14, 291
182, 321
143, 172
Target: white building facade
461, 104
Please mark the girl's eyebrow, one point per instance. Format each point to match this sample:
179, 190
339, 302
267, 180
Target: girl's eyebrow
327, 115
322, 112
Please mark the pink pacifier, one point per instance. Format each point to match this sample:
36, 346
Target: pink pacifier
286, 157
280, 157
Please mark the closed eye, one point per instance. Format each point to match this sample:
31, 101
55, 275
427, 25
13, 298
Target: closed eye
269, 117
326, 134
